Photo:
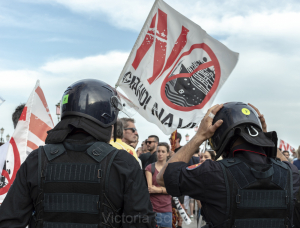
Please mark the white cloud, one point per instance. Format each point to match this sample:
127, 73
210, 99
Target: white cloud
218, 16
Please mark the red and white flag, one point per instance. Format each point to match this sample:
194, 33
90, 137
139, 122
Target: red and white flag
30, 133
174, 70
285, 146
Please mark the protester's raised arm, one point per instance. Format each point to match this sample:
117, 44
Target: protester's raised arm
205, 131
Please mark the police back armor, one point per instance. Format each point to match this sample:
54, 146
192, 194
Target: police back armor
258, 195
73, 187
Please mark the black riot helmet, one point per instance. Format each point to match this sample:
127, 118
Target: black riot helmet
92, 99
240, 120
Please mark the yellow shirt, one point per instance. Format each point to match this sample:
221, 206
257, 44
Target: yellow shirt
119, 144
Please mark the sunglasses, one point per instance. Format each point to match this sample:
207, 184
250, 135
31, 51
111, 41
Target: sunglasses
149, 142
132, 129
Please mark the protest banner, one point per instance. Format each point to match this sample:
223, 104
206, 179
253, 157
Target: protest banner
285, 146
173, 140
174, 70
30, 133
181, 211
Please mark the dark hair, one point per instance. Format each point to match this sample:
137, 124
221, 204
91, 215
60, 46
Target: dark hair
126, 120
165, 145
154, 136
179, 136
212, 154
16, 115
197, 151
285, 151
119, 129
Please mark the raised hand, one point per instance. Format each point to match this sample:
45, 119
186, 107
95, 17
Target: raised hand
261, 118
206, 128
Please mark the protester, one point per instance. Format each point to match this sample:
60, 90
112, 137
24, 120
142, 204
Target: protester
144, 147
195, 159
151, 156
286, 154
159, 197
297, 162
130, 132
134, 144
209, 154
119, 144
234, 129
177, 142
139, 151
51, 184
17, 113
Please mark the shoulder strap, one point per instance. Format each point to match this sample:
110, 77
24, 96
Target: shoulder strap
99, 150
108, 168
228, 162
153, 168
52, 151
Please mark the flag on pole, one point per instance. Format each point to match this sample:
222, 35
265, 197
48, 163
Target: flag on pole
174, 70
1, 100
173, 140
30, 133
286, 146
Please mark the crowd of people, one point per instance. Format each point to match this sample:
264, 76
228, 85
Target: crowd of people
184, 172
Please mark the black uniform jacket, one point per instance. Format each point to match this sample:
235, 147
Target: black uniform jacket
127, 189
206, 182
147, 159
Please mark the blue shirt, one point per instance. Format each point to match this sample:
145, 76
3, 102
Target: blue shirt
297, 163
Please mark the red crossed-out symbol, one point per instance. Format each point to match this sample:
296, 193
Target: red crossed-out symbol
17, 160
17, 164
160, 65
214, 62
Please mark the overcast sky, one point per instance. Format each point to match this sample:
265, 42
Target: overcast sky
62, 41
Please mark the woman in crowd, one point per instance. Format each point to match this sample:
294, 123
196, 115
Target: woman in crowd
159, 197
209, 154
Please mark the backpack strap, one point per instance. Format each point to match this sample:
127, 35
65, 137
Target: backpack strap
153, 168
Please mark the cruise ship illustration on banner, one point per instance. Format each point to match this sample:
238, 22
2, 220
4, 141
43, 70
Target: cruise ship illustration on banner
190, 91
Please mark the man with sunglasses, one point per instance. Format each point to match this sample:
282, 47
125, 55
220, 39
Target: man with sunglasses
130, 132
150, 157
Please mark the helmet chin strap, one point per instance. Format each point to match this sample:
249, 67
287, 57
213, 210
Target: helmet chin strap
115, 131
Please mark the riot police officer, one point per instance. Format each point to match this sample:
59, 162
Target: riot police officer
77, 179
250, 187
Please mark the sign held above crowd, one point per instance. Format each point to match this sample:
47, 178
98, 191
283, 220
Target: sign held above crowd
284, 146
174, 70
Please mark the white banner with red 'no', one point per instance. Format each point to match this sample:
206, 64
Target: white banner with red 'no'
286, 146
174, 70
30, 133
